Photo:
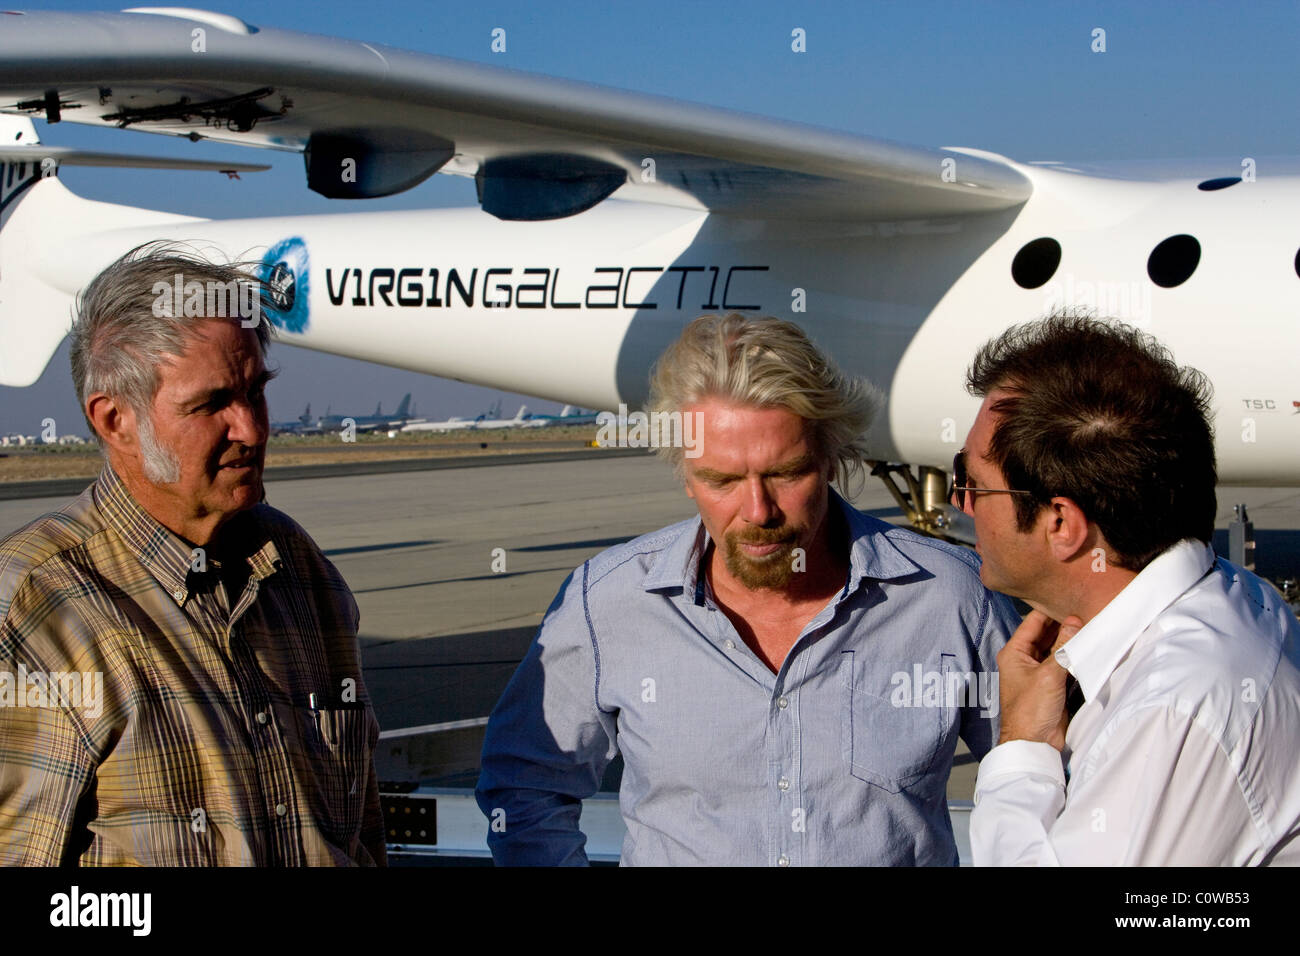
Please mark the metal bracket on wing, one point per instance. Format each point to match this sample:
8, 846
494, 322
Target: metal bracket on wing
366, 163
50, 103
239, 113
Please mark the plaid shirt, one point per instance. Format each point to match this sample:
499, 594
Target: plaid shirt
148, 719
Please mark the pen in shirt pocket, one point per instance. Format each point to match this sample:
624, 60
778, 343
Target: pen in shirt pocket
313, 704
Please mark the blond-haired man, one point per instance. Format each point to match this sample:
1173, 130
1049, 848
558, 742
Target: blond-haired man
746, 663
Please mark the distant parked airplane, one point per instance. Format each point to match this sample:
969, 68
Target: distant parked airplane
302, 425
568, 416
369, 423
455, 423
489, 419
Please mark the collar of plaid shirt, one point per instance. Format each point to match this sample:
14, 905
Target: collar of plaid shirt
166, 555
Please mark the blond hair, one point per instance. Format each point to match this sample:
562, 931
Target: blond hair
767, 363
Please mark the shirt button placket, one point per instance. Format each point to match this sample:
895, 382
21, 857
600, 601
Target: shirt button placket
782, 737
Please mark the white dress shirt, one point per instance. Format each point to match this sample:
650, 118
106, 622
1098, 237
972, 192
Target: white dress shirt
1185, 752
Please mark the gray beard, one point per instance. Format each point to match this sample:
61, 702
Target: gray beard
161, 466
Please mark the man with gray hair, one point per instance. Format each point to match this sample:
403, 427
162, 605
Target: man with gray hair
785, 677
230, 724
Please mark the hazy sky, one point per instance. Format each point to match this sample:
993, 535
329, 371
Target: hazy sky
1177, 80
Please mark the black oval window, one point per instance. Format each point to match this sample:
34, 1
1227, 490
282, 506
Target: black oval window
1297, 263
1036, 262
1173, 261
1210, 185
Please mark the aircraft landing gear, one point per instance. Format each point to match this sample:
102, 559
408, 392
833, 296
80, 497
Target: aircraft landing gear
924, 502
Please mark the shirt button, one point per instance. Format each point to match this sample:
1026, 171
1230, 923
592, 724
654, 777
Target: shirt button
261, 716
782, 702
783, 784
729, 644
178, 594
281, 809
782, 860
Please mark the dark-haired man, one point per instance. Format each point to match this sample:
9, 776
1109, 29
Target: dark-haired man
1090, 475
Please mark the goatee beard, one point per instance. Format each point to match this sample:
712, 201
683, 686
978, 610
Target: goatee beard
768, 571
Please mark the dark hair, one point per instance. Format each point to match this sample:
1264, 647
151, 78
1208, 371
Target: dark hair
1101, 414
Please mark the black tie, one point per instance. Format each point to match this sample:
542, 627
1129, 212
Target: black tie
1073, 696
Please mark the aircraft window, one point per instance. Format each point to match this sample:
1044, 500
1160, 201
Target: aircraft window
1210, 185
1297, 263
1173, 261
1036, 262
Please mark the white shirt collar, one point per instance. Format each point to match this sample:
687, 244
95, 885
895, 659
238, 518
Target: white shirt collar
1094, 653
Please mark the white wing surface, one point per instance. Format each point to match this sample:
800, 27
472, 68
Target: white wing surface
539, 147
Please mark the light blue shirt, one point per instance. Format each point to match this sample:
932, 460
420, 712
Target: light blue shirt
841, 757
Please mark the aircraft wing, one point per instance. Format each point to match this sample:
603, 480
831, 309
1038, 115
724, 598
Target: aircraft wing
373, 120
82, 157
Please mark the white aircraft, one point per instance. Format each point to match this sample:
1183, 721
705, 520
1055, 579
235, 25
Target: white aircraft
519, 421
610, 219
472, 424
455, 423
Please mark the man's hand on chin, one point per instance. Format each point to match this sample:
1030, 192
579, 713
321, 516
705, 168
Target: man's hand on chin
1031, 682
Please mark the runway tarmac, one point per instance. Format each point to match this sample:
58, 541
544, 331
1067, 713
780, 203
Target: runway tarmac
442, 631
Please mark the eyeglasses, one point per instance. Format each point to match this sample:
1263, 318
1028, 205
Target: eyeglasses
959, 486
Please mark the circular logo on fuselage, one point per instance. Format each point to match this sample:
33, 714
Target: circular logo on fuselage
284, 272
280, 285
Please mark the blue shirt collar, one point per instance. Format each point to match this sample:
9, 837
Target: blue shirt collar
871, 555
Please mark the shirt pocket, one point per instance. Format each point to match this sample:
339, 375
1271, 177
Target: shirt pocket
342, 741
891, 735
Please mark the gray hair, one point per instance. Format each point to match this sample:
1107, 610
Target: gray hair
161, 464
767, 363
121, 335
